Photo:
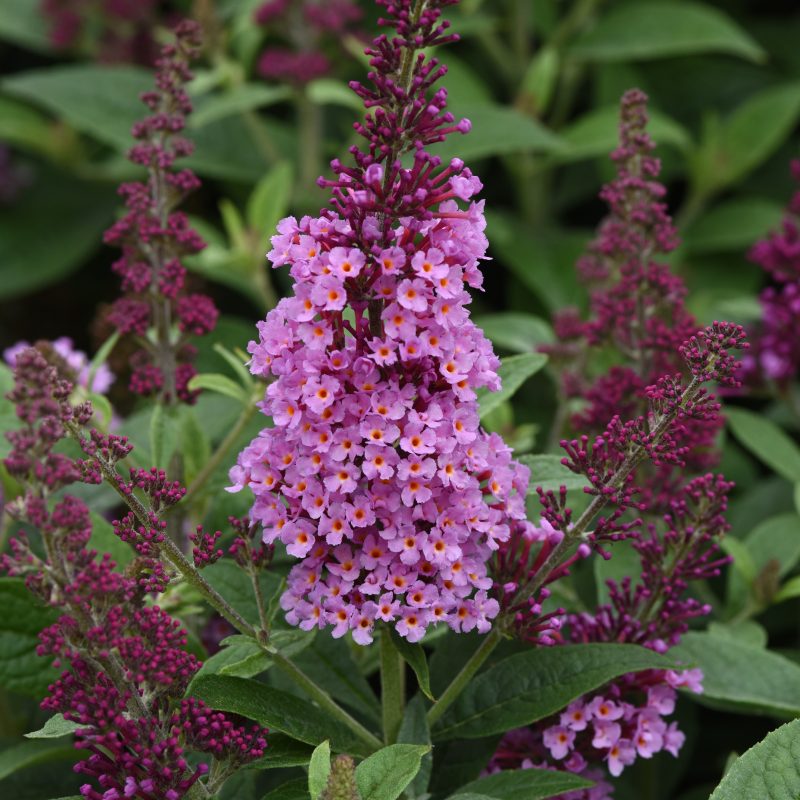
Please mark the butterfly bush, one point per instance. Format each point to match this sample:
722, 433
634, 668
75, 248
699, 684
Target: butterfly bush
636, 464
308, 28
75, 361
376, 473
153, 235
125, 664
114, 31
776, 356
637, 308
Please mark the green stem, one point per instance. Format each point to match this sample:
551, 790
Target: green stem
323, 699
393, 687
458, 684
219, 454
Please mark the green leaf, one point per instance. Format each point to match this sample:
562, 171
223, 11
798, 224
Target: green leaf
414, 729
21, 670
646, 30
496, 130
776, 539
596, 133
540, 80
243, 657
330, 664
745, 141
29, 754
283, 752
23, 23
768, 771
766, 441
194, 444
233, 584
319, 769
733, 225
104, 540
746, 631
163, 435
742, 677
536, 683
385, 774
293, 790
269, 203
31, 261
789, 590
237, 365
514, 371
233, 148
26, 128
54, 728
275, 709
102, 101
8, 417
328, 91
742, 560
245, 97
101, 356
523, 784
522, 333
548, 472
239, 656
543, 260
221, 384
414, 656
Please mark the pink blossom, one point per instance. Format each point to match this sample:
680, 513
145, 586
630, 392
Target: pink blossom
558, 740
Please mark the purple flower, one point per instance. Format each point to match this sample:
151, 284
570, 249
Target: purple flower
153, 236
558, 740
390, 485
76, 361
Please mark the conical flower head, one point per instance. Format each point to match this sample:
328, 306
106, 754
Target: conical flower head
377, 474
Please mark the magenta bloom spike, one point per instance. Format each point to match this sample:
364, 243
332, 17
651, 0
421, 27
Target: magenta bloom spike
153, 236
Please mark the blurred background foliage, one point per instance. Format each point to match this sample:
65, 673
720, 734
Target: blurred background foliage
541, 81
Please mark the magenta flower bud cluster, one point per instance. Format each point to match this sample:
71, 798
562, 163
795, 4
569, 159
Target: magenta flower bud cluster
637, 307
310, 30
75, 361
115, 31
154, 236
126, 663
519, 561
655, 611
776, 352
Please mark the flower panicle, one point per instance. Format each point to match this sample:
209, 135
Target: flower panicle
404, 114
377, 475
776, 356
310, 28
662, 436
155, 236
125, 664
637, 308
